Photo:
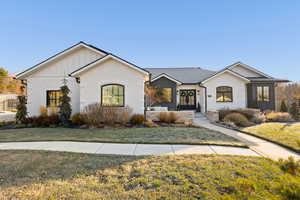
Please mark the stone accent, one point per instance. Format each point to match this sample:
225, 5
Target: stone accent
212, 115
184, 116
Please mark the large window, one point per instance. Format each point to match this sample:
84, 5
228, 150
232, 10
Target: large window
53, 98
164, 94
112, 95
263, 93
224, 94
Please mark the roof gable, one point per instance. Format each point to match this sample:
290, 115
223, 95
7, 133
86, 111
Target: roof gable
247, 67
75, 47
225, 71
103, 59
166, 76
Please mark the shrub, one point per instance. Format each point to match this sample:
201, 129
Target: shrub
110, 115
172, 117
78, 119
42, 120
43, 111
283, 107
248, 113
278, 117
238, 119
22, 109
124, 115
137, 119
259, 118
94, 114
290, 165
294, 111
163, 117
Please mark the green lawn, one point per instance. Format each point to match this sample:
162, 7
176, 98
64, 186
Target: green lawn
279, 132
56, 175
124, 135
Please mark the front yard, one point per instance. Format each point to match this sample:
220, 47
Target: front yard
287, 134
162, 135
57, 175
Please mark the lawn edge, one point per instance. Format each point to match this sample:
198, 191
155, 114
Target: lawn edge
260, 137
96, 141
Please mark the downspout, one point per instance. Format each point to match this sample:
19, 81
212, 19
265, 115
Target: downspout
205, 94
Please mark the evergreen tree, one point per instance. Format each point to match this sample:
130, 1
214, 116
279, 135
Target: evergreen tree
65, 109
294, 111
283, 107
21, 109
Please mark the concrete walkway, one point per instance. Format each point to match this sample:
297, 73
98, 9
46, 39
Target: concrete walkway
127, 149
263, 147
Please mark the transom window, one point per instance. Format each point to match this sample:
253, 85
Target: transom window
53, 98
164, 94
263, 93
224, 94
112, 95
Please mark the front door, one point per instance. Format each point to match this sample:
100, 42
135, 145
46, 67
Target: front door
187, 99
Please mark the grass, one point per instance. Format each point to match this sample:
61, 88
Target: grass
287, 134
166, 135
57, 175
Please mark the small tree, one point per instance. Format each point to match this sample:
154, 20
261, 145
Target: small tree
153, 95
21, 109
65, 109
283, 106
294, 111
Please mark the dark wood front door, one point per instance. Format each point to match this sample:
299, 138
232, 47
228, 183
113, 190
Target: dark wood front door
187, 99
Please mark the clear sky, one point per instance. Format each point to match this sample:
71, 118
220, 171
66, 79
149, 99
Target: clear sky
208, 34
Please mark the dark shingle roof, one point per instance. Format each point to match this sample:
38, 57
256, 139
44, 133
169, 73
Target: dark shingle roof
184, 75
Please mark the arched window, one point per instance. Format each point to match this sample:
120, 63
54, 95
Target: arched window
112, 95
224, 94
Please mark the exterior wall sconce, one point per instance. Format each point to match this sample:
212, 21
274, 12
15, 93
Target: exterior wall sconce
198, 92
77, 80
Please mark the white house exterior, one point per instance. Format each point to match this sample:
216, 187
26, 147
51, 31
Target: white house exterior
96, 76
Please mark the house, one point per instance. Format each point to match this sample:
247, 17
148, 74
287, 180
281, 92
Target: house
96, 76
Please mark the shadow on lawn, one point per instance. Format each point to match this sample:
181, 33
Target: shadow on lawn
19, 167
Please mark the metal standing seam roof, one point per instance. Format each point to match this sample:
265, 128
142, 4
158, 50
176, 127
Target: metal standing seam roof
184, 74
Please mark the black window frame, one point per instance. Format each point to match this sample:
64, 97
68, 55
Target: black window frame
113, 84
56, 99
223, 94
263, 98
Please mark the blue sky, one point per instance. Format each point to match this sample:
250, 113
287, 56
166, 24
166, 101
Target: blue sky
208, 34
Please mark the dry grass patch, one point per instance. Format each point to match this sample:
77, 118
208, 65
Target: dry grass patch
52, 175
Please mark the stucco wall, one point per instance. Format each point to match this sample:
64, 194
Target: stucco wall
110, 72
51, 75
238, 87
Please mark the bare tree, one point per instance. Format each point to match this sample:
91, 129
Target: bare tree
288, 93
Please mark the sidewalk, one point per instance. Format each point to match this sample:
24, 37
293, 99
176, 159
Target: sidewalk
260, 146
127, 149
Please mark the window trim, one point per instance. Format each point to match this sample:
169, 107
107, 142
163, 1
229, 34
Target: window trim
263, 93
48, 98
223, 94
101, 98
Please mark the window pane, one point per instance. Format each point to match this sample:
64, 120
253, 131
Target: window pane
113, 95
266, 93
224, 94
53, 98
164, 94
259, 92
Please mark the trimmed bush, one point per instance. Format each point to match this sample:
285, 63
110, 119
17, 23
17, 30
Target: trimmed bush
238, 119
248, 113
78, 119
21, 110
43, 121
167, 117
137, 119
172, 117
279, 117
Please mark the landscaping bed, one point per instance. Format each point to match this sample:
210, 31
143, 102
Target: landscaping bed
159, 135
57, 175
281, 133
